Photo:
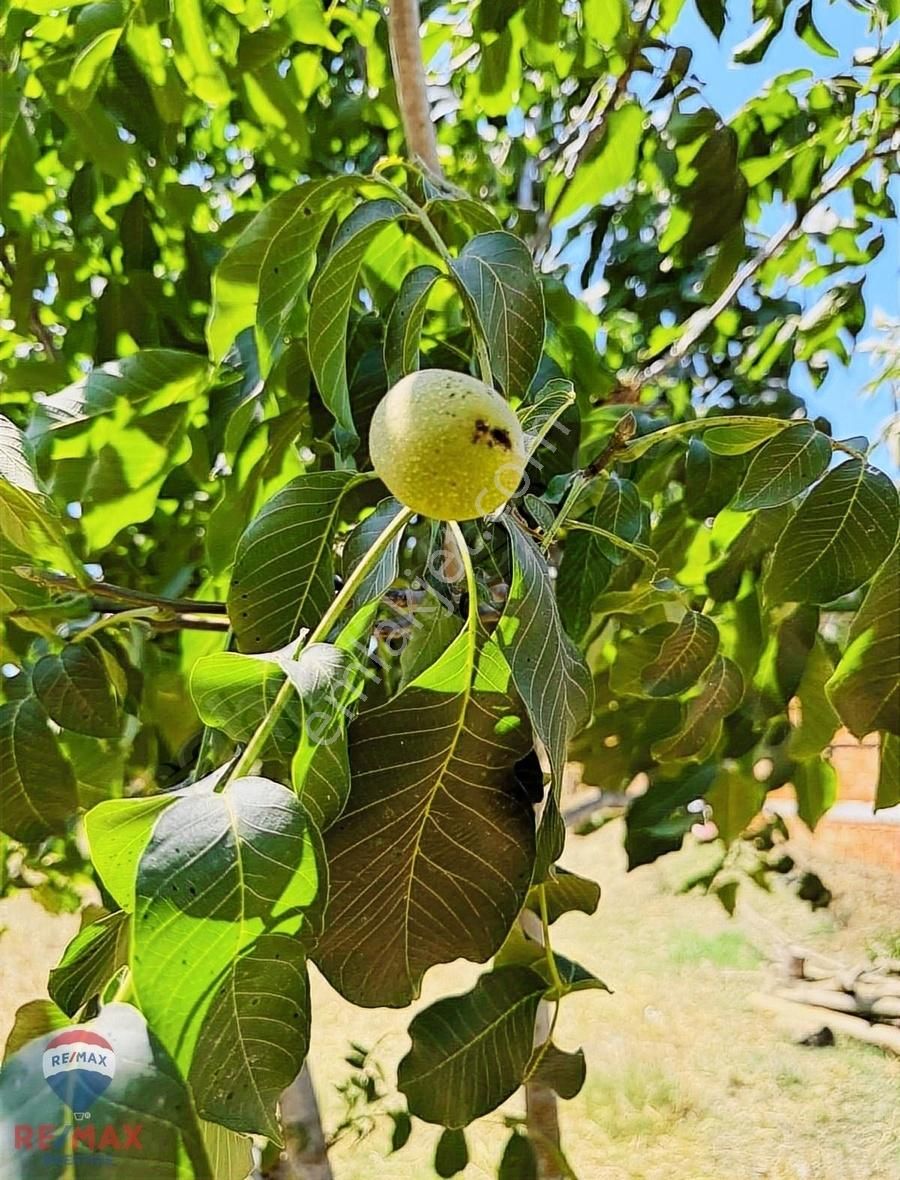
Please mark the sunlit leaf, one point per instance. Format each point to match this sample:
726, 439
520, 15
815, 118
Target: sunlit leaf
37, 786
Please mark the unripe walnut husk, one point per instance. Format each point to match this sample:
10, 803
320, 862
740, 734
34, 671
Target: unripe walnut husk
446, 445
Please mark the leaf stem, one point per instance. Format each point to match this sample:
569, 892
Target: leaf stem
482, 351
254, 747
555, 976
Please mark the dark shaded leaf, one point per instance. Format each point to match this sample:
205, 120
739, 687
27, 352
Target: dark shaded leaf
404, 325
90, 960
888, 792
452, 1153
565, 892
562, 1072
37, 786
432, 856
684, 655
865, 687
497, 273
470, 1052
283, 576
75, 689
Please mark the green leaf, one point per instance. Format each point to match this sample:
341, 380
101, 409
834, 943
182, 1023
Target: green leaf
330, 299
712, 13
234, 693
805, 27
75, 690
193, 56
655, 821
452, 1153
90, 960
37, 1018
146, 1091
841, 533
519, 1160
589, 558
549, 673
432, 856
735, 798
562, 1072
90, 68
565, 892
470, 1052
818, 720
865, 689
261, 282
710, 480
815, 784
741, 437
117, 832
37, 786
225, 884
888, 792
328, 681
145, 382
283, 576
497, 274
610, 166
402, 1129
719, 695
384, 573
684, 655
404, 326
783, 467
28, 518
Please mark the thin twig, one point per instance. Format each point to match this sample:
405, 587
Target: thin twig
120, 594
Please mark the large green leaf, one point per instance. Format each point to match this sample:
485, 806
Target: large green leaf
470, 1052
842, 532
150, 380
404, 325
283, 576
783, 467
75, 690
90, 960
37, 786
262, 279
330, 299
225, 884
865, 688
146, 1092
549, 673
432, 856
497, 274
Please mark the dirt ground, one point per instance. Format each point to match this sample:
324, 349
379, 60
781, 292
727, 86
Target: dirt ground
685, 1080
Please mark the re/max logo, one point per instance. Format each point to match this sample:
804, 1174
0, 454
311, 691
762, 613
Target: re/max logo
46, 1136
81, 1056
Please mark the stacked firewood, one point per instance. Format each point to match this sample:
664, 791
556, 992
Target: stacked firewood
861, 1001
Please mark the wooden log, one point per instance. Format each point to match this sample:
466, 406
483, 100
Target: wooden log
872, 1007
882, 1035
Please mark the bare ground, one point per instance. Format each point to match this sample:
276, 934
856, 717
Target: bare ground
685, 1080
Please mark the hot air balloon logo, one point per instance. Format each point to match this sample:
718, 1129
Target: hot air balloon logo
78, 1066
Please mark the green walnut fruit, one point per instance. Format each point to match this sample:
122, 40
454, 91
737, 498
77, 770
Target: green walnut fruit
446, 445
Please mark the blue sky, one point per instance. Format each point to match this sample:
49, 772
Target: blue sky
727, 87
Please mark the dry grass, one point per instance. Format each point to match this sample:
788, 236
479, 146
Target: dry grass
685, 1080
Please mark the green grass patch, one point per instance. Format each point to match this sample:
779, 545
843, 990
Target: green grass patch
728, 949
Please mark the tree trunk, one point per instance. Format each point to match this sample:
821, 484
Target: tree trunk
541, 1109
305, 1156
409, 78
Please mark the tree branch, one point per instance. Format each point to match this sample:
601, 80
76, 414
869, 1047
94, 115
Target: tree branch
698, 323
120, 594
409, 76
